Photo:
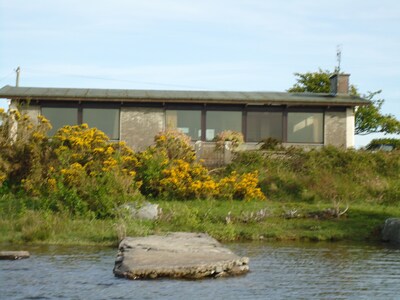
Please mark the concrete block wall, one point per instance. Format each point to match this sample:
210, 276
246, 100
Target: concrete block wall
33, 111
335, 128
140, 125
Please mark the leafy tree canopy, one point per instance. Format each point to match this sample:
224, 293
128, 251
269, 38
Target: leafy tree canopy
368, 119
311, 82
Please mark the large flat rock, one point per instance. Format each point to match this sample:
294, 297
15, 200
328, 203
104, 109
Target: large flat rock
177, 255
14, 255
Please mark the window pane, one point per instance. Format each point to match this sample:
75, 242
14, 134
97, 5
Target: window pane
262, 125
105, 119
217, 121
188, 121
305, 127
59, 117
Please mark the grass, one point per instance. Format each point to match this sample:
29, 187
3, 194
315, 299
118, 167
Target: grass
54, 194
224, 220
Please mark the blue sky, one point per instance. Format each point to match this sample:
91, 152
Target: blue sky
253, 45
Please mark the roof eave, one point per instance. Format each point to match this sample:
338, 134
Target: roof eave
194, 101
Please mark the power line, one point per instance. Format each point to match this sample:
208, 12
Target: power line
9, 74
114, 79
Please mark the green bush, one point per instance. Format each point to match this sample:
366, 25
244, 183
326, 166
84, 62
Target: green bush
236, 139
328, 174
384, 141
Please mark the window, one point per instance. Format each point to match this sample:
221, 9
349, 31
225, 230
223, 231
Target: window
59, 117
188, 121
304, 127
105, 119
261, 125
217, 121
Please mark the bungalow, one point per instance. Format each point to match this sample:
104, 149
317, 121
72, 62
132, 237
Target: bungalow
135, 116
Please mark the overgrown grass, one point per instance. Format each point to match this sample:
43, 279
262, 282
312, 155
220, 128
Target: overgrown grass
328, 175
306, 192
224, 220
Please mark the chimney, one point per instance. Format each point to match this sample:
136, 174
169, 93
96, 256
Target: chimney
339, 84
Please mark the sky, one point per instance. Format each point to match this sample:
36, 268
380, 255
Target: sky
234, 45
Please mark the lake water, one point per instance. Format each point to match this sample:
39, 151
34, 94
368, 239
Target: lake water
278, 271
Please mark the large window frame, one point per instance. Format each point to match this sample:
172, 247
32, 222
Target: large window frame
108, 120
268, 113
244, 110
218, 121
80, 114
248, 110
69, 117
190, 124
318, 134
203, 109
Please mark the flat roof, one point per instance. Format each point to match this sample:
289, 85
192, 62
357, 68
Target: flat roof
178, 96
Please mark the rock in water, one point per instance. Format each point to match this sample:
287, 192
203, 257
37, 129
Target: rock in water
177, 255
391, 231
14, 255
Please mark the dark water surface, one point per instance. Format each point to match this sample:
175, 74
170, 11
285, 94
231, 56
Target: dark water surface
278, 271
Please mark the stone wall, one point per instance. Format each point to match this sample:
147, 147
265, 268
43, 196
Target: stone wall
140, 125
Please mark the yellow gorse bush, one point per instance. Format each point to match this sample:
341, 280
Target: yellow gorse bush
176, 145
177, 177
73, 175
80, 170
244, 186
84, 151
24, 150
182, 180
186, 181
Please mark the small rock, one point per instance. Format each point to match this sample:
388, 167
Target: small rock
143, 211
391, 231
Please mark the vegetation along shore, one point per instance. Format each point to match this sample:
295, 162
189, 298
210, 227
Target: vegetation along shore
69, 189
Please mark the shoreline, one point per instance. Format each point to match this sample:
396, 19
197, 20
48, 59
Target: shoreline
226, 221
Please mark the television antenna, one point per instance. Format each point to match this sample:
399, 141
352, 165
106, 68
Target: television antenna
338, 57
17, 70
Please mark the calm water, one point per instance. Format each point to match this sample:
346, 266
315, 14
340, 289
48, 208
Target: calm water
279, 271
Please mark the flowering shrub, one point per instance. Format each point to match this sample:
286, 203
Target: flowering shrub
167, 169
81, 172
170, 145
24, 149
243, 187
150, 165
92, 149
236, 138
184, 181
101, 173
176, 144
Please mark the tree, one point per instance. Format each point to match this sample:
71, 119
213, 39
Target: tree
368, 118
312, 82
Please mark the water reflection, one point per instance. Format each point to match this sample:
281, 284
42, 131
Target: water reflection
278, 271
